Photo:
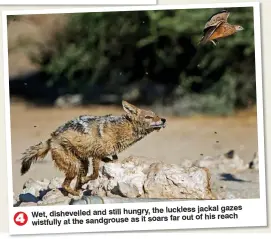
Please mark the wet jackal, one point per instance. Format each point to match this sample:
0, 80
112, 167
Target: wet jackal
96, 137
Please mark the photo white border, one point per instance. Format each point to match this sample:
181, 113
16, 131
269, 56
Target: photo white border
257, 206
79, 2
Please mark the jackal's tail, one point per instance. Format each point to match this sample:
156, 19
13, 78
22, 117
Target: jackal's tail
33, 153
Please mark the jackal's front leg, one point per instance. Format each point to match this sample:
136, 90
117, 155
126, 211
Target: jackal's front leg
95, 173
115, 157
109, 160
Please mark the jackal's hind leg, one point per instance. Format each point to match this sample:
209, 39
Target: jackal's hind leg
95, 173
68, 163
66, 186
82, 173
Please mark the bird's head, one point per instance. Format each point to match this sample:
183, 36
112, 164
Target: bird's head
238, 28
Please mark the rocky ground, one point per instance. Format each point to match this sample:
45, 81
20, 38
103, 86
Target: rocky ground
139, 177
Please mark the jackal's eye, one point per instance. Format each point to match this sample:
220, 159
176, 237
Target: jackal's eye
148, 117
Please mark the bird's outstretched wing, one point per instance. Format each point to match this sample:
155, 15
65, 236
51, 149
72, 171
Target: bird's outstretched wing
216, 18
207, 32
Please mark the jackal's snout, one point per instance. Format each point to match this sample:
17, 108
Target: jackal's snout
163, 120
158, 124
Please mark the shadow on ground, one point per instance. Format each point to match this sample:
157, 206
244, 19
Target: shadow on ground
230, 177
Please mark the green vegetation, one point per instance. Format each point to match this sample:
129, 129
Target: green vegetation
118, 50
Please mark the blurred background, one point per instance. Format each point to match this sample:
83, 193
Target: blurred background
65, 65
145, 57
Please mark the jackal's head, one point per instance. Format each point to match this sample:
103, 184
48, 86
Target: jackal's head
144, 118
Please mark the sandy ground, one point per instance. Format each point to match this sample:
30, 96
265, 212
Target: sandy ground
183, 138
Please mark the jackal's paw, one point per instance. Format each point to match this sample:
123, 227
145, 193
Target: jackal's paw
115, 157
106, 160
76, 194
81, 193
85, 180
110, 160
71, 192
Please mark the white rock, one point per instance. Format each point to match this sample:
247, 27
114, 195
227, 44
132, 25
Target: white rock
254, 164
173, 181
34, 187
55, 183
227, 163
128, 172
187, 163
32, 190
127, 190
112, 183
54, 197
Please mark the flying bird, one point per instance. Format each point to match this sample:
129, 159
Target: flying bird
217, 27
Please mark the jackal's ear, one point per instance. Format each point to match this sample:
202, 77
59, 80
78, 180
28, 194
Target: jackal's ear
129, 108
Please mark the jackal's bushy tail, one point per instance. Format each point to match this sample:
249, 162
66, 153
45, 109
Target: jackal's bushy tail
34, 153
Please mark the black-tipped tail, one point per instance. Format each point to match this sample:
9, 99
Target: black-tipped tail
34, 153
26, 164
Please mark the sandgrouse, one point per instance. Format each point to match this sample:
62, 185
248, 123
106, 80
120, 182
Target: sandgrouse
217, 27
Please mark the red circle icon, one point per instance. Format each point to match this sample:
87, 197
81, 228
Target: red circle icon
20, 218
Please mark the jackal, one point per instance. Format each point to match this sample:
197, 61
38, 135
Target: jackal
96, 137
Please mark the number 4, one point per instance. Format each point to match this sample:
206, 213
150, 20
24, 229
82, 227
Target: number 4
20, 218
